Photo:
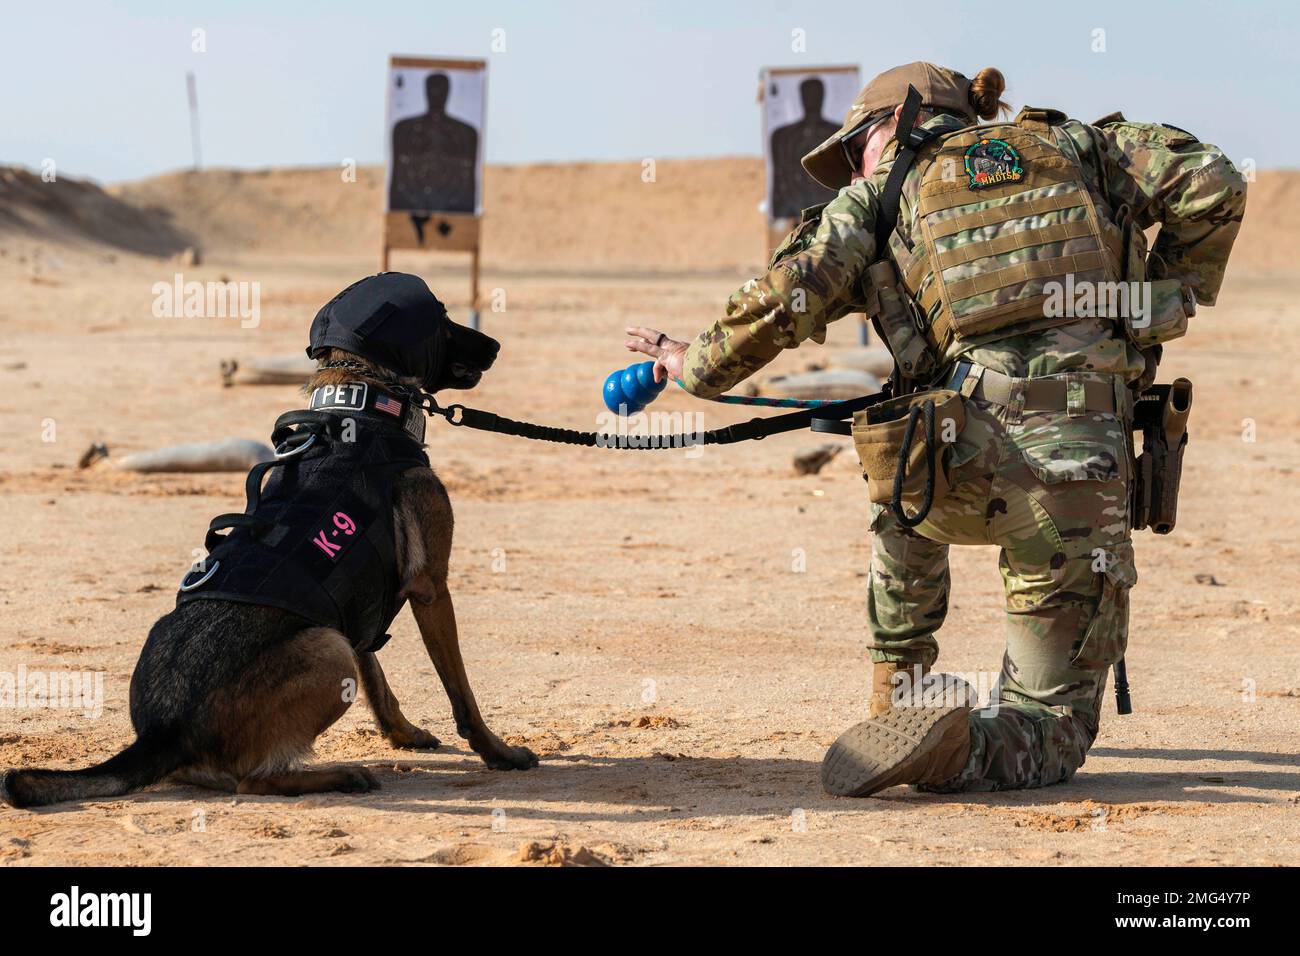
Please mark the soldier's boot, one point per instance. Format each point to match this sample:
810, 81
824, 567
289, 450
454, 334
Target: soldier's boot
883, 686
904, 745
886, 693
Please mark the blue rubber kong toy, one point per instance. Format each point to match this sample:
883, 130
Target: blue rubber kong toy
628, 391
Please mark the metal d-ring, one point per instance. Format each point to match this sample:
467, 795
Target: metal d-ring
296, 450
201, 581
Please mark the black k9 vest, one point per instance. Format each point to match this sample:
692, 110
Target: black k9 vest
318, 538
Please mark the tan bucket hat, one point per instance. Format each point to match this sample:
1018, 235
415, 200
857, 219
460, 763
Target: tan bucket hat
940, 88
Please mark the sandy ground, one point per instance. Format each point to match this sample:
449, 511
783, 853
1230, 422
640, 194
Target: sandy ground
638, 620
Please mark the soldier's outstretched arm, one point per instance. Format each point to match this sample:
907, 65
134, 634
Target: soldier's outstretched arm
1167, 176
813, 280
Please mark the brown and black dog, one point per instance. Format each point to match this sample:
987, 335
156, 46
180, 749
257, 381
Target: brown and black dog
231, 694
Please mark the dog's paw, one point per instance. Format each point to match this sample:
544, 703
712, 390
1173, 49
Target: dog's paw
19, 789
6, 792
511, 758
413, 739
357, 780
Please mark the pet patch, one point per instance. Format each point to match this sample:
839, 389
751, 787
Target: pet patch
349, 395
358, 397
993, 162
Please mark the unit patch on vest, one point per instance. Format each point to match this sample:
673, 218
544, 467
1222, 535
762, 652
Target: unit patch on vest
992, 162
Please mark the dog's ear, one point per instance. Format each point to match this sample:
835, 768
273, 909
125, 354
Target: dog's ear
469, 353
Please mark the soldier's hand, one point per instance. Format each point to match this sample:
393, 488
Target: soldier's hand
669, 354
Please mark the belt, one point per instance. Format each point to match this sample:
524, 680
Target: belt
1050, 393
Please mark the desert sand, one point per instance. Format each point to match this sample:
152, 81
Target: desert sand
679, 635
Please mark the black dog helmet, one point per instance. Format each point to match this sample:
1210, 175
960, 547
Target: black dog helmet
393, 320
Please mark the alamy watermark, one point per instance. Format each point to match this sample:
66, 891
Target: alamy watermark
652, 430
133, 911
53, 690
1089, 300
914, 688
179, 299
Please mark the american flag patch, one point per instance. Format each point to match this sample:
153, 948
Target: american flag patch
390, 405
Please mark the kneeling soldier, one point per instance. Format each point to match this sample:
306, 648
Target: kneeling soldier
1005, 266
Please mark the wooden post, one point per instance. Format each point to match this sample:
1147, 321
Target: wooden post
473, 290
191, 89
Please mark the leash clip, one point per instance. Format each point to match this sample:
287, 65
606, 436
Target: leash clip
454, 414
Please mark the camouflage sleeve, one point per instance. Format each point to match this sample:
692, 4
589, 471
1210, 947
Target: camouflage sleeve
812, 281
1190, 188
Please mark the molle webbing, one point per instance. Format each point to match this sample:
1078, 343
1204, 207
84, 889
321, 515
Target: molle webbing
997, 215
1010, 242
1044, 163
986, 251
1022, 272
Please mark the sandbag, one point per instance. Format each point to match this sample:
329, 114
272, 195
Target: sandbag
228, 454
873, 360
269, 370
829, 384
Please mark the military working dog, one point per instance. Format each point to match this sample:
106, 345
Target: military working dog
285, 614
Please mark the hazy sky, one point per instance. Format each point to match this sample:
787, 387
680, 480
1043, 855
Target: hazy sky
100, 86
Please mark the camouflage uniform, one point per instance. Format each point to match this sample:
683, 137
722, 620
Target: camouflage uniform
1048, 488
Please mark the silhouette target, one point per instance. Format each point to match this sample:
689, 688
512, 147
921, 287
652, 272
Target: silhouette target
792, 188
434, 158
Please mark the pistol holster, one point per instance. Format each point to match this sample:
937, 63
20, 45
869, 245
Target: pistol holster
1160, 413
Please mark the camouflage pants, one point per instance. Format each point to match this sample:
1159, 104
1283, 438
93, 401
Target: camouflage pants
1051, 490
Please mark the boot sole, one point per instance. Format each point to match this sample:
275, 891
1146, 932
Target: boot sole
954, 691
881, 752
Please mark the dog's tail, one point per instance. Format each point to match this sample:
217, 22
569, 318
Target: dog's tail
146, 761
